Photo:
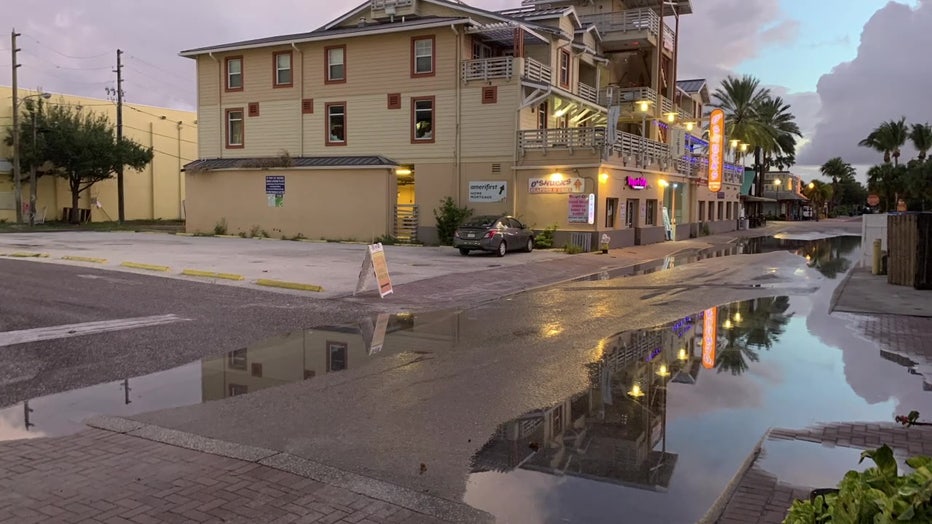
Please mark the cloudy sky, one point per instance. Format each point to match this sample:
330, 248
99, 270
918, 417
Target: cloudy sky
843, 65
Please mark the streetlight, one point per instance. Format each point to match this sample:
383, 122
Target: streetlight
17, 182
644, 108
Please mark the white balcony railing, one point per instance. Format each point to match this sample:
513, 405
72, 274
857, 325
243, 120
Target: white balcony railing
643, 19
488, 68
613, 95
382, 4
669, 37
627, 146
536, 71
587, 92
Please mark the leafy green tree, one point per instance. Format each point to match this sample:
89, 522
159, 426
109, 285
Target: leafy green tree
887, 181
921, 137
888, 138
819, 194
78, 146
842, 175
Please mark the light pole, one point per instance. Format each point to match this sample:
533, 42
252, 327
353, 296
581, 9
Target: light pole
643, 107
17, 177
776, 182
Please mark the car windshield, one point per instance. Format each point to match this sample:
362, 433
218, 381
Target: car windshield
481, 221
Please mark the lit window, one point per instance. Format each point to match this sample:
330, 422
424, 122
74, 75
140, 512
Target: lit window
336, 64
283, 68
423, 109
336, 124
423, 56
234, 128
234, 73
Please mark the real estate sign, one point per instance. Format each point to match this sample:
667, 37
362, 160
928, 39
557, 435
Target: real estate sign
481, 191
716, 149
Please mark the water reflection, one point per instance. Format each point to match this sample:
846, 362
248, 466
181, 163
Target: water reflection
748, 327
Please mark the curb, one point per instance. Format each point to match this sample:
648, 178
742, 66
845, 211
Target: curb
840, 288
422, 503
718, 507
148, 267
85, 259
212, 274
289, 285
22, 254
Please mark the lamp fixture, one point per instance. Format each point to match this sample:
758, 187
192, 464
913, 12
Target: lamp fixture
743, 148
734, 143
636, 391
663, 371
690, 126
556, 177
682, 354
671, 117
643, 105
402, 171
603, 177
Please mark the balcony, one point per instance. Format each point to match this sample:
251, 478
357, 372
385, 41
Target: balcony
488, 68
537, 72
631, 29
587, 92
628, 147
615, 96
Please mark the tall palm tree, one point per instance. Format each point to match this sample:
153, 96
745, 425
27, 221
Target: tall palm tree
841, 173
921, 137
885, 180
818, 194
781, 125
888, 138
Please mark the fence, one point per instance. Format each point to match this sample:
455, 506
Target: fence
909, 253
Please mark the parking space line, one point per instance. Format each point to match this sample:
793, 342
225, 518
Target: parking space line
26, 336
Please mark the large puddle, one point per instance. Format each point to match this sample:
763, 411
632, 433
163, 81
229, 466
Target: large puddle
670, 413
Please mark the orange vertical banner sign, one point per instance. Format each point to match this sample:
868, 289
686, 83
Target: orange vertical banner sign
709, 337
716, 149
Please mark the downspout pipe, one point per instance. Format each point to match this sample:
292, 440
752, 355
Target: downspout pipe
300, 102
220, 87
457, 146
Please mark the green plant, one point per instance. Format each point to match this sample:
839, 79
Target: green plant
876, 495
572, 249
220, 228
544, 240
449, 216
254, 231
387, 240
298, 237
704, 231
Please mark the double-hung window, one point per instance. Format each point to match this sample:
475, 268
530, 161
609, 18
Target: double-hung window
422, 56
336, 124
336, 64
422, 119
564, 68
234, 73
235, 130
283, 70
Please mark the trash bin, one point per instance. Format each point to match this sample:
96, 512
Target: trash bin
742, 223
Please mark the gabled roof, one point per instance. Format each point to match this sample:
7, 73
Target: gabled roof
691, 86
327, 34
532, 13
208, 164
444, 3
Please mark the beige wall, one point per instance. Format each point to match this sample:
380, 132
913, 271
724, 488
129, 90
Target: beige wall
316, 204
155, 192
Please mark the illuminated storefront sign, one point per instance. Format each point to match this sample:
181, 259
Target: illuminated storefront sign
716, 149
636, 182
682, 326
709, 337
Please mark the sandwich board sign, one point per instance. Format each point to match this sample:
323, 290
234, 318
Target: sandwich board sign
375, 265
373, 334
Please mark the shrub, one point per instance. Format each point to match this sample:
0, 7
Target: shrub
705, 229
572, 249
220, 228
449, 217
544, 240
387, 240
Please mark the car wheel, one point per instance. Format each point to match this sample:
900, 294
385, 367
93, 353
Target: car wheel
464, 251
530, 245
502, 249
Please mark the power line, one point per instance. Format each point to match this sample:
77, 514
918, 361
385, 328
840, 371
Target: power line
160, 134
160, 117
50, 48
170, 83
179, 77
173, 156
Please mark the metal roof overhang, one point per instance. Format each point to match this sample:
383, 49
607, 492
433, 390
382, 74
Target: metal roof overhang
503, 33
751, 198
683, 7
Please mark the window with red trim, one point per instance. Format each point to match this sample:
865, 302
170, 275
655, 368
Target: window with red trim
423, 55
235, 128
336, 124
564, 68
282, 62
335, 62
233, 68
423, 120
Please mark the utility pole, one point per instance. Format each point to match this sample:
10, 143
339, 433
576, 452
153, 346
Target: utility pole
17, 182
119, 129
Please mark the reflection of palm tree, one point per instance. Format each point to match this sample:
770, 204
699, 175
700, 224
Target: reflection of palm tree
827, 256
746, 327
736, 353
766, 321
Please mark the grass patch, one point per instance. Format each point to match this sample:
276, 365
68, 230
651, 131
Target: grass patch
127, 225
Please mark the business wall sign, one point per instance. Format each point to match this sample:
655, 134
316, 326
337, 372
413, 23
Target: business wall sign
636, 182
581, 209
556, 185
716, 149
488, 191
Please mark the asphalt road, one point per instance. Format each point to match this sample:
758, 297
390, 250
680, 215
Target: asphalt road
214, 319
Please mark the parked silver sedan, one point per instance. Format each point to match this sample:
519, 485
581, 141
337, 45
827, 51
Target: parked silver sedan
496, 233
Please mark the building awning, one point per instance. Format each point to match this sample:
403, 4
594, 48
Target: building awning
299, 162
752, 198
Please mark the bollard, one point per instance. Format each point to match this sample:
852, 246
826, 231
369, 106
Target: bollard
875, 262
603, 244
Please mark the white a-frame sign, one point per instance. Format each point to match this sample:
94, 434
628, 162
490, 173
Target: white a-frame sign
375, 265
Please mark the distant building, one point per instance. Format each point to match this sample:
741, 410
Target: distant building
786, 189
156, 192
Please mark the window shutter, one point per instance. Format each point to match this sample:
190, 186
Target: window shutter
394, 100
490, 95
254, 109
307, 106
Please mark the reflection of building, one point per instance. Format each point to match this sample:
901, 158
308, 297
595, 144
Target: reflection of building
611, 431
305, 354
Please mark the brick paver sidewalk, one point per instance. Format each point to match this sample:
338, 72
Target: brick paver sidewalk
105, 477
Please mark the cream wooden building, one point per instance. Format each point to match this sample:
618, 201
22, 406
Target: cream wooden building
565, 113
156, 192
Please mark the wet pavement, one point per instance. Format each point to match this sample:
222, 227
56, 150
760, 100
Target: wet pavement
569, 403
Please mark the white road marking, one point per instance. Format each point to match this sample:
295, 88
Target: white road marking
25, 336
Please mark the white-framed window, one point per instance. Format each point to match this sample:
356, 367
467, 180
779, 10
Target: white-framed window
422, 119
235, 130
283, 69
234, 73
422, 56
336, 64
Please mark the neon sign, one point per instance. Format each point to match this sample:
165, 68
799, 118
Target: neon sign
636, 182
653, 354
716, 149
709, 337
682, 326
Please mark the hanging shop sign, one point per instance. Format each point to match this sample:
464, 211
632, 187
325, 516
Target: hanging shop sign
716, 149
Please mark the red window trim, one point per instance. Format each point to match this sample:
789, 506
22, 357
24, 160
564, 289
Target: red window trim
433, 119
275, 56
433, 56
226, 128
569, 68
327, 141
226, 74
327, 79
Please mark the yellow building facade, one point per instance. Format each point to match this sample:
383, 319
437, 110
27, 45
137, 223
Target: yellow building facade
565, 113
156, 192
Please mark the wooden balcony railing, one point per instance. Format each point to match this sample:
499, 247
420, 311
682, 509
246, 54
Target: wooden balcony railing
537, 72
488, 68
613, 95
587, 92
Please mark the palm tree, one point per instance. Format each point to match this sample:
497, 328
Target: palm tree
775, 115
885, 180
818, 194
888, 138
841, 173
921, 137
